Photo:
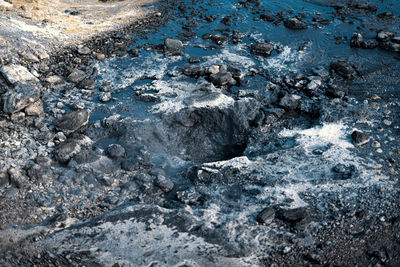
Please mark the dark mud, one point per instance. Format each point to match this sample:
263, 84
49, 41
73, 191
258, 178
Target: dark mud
257, 134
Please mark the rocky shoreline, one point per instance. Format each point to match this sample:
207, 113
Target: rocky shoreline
198, 169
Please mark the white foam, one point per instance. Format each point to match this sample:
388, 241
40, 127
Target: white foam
288, 60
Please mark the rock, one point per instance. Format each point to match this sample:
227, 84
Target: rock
16, 178
370, 44
299, 218
67, 150
5, 5
344, 69
189, 196
133, 52
77, 76
4, 178
221, 78
72, 121
17, 117
262, 49
219, 39
100, 56
164, 183
314, 84
17, 74
384, 36
105, 97
356, 40
387, 15
172, 47
115, 151
290, 101
214, 69
87, 84
266, 17
54, 79
295, 24
84, 50
359, 138
343, 172
35, 109
192, 71
19, 98
266, 216
390, 46
227, 21
335, 91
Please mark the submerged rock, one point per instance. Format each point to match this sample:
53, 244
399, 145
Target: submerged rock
73, 121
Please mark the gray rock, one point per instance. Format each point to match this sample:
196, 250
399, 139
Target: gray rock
35, 109
65, 151
221, 78
290, 101
77, 76
115, 151
295, 24
164, 183
73, 121
189, 196
17, 74
17, 179
262, 49
298, 218
370, 44
343, 172
266, 216
192, 71
343, 69
314, 85
172, 46
219, 39
4, 178
359, 138
384, 36
105, 97
19, 98
84, 50
356, 40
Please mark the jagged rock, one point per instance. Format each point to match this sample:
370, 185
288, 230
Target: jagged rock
19, 98
295, 24
189, 196
290, 101
222, 78
356, 40
359, 138
105, 97
384, 36
344, 69
115, 151
266, 216
298, 218
35, 109
370, 44
72, 121
17, 74
77, 76
262, 49
172, 46
65, 151
268, 18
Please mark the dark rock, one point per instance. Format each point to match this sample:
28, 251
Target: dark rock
384, 36
192, 71
189, 196
194, 60
335, 91
295, 24
219, 39
262, 49
359, 138
65, 151
227, 21
221, 78
370, 44
390, 46
387, 15
16, 178
77, 76
19, 98
268, 18
115, 151
172, 47
87, 84
266, 216
133, 52
211, 18
343, 69
72, 121
35, 172
4, 178
343, 172
299, 218
356, 40
164, 183
86, 155
290, 102
84, 50
206, 36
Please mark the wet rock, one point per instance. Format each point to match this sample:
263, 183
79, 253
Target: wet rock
194, 60
390, 46
295, 24
192, 71
214, 69
15, 74
356, 40
164, 183
19, 98
87, 84
299, 218
35, 109
219, 39
222, 78
115, 151
266, 17
67, 150
77, 76
370, 44
133, 52
189, 196
335, 91
290, 102
262, 49
73, 121
105, 97
314, 84
359, 138
343, 172
227, 21
343, 69
387, 15
172, 47
266, 216
384, 36
273, 114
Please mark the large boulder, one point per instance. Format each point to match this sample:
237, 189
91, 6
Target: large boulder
172, 46
15, 74
262, 49
19, 98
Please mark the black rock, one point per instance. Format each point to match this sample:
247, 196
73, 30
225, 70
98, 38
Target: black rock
115, 151
343, 172
172, 47
343, 69
370, 44
266, 216
335, 91
194, 60
77, 76
387, 15
268, 18
72, 121
221, 78
227, 21
295, 24
299, 218
356, 40
384, 36
133, 52
87, 84
359, 138
262, 49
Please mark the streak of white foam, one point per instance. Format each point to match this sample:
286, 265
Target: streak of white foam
288, 60
231, 56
